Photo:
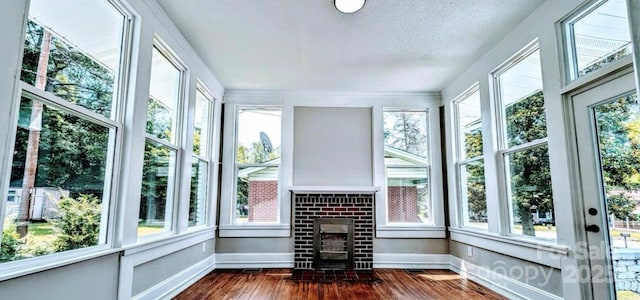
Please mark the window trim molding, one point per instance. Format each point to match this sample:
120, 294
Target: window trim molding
387, 228
459, 162
178, 136
503, 149
538, 251
227, 224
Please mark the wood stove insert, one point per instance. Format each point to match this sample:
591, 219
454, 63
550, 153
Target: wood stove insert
333, 243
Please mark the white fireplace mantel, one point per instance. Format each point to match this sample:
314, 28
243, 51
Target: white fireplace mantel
334, 189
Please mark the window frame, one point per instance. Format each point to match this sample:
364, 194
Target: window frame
114, 123
504, 150
434, 228
427, 166
207, 157
567, 41
172, 204
460, 161
228, 227
237, 166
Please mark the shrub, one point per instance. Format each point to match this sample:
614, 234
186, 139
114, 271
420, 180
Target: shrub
78, 223
10, 243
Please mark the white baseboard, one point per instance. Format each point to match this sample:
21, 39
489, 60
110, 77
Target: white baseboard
177, 283
410, 261
508, 287
253, 260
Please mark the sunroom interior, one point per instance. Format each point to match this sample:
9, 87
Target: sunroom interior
147, 143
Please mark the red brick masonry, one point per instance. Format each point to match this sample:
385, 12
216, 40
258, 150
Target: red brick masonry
359, 207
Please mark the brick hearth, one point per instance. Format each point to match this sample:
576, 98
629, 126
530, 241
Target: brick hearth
309, 206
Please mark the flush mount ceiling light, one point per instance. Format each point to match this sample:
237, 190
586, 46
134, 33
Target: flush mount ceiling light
348, 6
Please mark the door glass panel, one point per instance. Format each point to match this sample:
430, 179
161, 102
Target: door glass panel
618, 128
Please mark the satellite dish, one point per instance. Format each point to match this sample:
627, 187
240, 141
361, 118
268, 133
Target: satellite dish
266, 142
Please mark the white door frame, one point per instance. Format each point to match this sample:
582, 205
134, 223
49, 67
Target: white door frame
593, 252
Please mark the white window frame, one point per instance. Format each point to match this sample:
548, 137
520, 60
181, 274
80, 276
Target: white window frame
461, 161
426, 166
568, 40
203, 157
115, 122
434, 228
228, 225
505, 203
171, 209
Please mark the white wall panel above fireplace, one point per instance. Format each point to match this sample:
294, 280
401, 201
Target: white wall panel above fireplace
332, 146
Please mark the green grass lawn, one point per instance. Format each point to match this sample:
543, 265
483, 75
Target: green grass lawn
537, 228
146, 229
41, 232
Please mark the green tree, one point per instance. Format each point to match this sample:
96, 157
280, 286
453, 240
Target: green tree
621, 206
618, 124
406, 132
529, 171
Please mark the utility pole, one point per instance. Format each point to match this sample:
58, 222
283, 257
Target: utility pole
35, 125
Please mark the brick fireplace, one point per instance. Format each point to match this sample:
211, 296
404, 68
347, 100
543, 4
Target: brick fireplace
339, 207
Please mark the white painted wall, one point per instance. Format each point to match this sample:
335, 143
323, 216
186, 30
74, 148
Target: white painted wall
332, 146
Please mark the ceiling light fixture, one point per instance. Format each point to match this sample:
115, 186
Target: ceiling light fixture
348, 6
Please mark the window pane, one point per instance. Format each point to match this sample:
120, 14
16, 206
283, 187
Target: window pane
258, 137
602, 36
473, 196
201, 125
164, 91
257, 194
470, 127
523, 101
408, 195
529, 182
197, 203
73, 50
407, 132
56, 191
158, 183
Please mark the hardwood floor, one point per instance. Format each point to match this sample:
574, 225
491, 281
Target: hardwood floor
390, 284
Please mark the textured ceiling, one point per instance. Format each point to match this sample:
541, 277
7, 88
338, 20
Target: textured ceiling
388, 46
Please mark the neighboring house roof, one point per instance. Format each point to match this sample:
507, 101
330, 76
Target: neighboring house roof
403, 174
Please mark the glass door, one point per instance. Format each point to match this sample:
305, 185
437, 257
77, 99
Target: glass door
607, 126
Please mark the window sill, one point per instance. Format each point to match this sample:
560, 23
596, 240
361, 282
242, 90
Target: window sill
411, 231
151, 249
29, 266
255, 230
540, 252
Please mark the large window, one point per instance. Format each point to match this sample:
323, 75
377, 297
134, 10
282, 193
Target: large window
523, 145
470, 163
201, 157
406, 156
161, 147
257, 160
60, 188
597, 36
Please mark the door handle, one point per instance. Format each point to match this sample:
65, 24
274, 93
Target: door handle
593, 228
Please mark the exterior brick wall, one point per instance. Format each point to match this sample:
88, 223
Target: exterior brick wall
403, 204
263, 201
359, 207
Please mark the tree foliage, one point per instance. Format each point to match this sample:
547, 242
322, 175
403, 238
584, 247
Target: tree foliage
621, 206
406, 132
529, 173
78, 223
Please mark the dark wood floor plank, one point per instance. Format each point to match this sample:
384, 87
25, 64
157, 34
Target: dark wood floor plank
391, 284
